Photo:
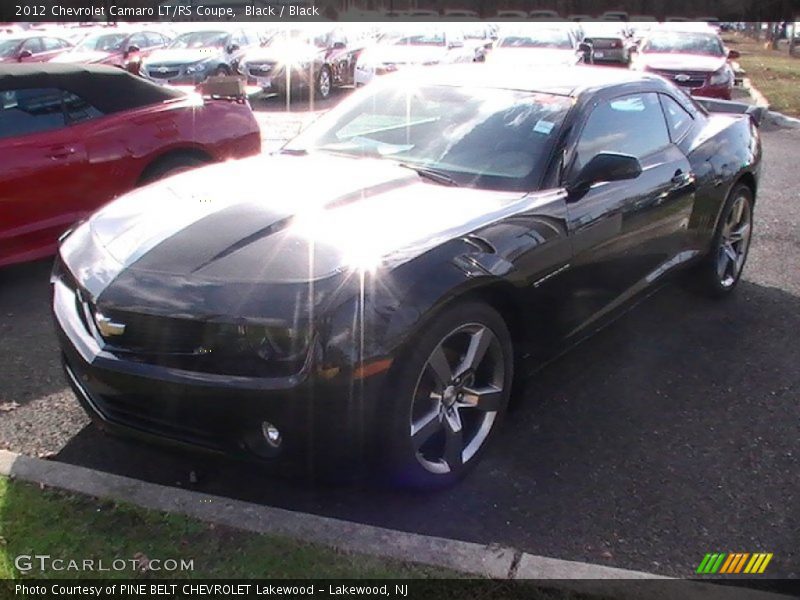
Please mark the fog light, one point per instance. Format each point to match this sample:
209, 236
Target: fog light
271, 434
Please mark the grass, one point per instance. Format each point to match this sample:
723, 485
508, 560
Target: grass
36, 521
774, 73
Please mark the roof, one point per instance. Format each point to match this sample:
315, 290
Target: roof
109, 89
565, 81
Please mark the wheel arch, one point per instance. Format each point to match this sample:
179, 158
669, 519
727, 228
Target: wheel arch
183, 151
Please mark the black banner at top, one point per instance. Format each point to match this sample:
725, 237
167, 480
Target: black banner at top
298, 11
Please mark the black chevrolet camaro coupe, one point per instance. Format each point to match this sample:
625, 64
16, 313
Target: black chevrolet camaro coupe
363, 297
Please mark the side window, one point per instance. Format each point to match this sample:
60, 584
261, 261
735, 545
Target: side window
33, 45
49, 44
240, 39
78, 110
27, 111
154, 39
678, 119
632, 124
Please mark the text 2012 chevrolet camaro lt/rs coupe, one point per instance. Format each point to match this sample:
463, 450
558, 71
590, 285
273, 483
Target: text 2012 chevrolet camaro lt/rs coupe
363, 297
73, 137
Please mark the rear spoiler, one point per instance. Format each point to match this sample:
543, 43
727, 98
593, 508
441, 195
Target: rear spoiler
756, 113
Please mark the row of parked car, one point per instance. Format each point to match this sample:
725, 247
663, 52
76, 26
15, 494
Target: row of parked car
321, 57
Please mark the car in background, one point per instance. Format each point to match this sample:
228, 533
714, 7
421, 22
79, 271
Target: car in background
479, 36
609, 41
303, 59
364, 297
31, 47
410, 46
695, 61
73, 137
538, 44
194, 56
117, 48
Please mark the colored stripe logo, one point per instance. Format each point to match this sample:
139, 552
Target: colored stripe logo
734, 563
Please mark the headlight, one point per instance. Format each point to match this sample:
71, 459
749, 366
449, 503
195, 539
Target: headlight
267, 342
196, 68
720, 77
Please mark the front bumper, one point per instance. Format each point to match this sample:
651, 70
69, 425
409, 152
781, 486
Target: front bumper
325, 424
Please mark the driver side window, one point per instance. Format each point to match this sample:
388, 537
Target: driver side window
631, 124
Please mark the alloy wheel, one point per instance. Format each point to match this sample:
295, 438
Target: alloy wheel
457, 398
324, 84
734, 241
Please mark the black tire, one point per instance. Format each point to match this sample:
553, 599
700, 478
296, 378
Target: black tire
710, 277
413, 386
170, 165
321, 89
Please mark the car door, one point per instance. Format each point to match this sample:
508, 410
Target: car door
625, 234
30, 50
40, 174
51, 47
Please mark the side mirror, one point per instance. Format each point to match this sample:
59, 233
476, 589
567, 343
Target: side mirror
232, 48
585, 50
133, 49
733, 54
24, 54
606, 166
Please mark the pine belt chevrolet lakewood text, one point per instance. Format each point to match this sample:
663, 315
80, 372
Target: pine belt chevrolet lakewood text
365, 295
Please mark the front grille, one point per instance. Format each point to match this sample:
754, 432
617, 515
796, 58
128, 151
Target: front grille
155, 334
689, 79
605, 43
157, 73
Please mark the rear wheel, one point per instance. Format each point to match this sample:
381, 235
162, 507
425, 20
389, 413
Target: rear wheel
720, 272
450, 394
324, 83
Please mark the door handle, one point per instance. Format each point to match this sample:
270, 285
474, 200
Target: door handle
61, 152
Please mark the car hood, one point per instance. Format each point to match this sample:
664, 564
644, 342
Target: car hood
533, 56
83, 56
278, 219
678, 62
182, 56
405, 54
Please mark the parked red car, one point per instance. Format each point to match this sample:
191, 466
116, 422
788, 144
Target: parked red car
74, 137
31, 47
695, 61
117, 48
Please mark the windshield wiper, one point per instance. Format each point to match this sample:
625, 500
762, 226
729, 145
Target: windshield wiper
432, 174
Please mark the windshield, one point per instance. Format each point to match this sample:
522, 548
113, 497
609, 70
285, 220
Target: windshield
548, 38
200, 39
429, 38
479, 137
685, 43
108, 42
7, 47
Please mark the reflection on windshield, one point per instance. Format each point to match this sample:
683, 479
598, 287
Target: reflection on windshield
684, 43
488, 138
200, 39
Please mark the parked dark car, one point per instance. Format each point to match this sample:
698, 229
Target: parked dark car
194, 56
302, 60
366, 295
538, 44
31, 47
116, 48
73, 137
695, 61
609, 40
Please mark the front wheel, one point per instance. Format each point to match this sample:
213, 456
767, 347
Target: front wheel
324, 83
450, 393
721, 270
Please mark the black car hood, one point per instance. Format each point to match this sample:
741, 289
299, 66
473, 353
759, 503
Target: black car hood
279, 219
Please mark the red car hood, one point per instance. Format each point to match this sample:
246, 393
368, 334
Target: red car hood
677, 62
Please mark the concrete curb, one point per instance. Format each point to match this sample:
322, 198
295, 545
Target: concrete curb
772, 117
498, 562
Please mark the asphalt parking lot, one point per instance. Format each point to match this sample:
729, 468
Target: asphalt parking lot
670, 434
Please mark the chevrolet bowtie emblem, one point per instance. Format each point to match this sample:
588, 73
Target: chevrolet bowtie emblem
682, 77
162, 69
107, 327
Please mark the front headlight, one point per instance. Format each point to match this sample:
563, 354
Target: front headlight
196, 68
267, 342
721, 77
